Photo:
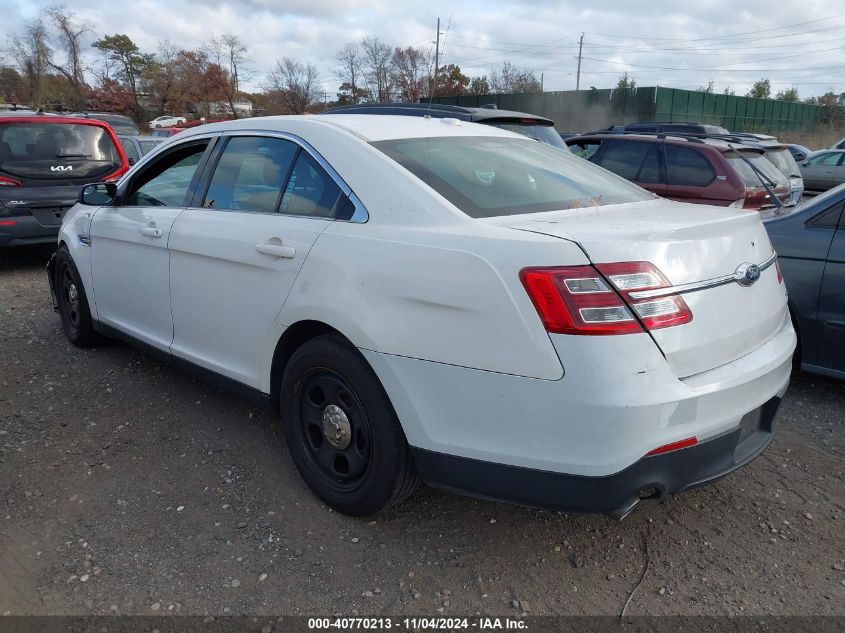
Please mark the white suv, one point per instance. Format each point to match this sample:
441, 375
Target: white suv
446, 301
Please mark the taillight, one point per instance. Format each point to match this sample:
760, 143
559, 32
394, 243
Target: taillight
596, 300
780, 274
9, 182
674, 446
634, 277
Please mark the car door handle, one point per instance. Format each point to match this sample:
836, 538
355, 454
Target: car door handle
276, 250
150, 231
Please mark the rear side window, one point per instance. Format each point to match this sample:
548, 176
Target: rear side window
250, 174
636, 161
827, 219
687, 167
310, 190
488, 176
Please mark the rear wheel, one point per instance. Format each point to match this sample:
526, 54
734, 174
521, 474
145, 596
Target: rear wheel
341, 430
73, 303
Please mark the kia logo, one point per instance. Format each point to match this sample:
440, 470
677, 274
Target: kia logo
61, 168
747, 274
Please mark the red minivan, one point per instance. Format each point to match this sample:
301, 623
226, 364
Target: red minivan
44, 161
699, 170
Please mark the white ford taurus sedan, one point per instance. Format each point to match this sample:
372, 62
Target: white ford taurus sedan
426, 299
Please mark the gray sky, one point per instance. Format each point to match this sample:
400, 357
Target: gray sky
667, 43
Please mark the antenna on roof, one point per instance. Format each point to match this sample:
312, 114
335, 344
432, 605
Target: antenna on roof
437, 62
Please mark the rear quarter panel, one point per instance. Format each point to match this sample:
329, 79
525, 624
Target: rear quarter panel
448, 296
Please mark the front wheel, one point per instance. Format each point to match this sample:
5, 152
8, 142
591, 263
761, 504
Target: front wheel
73, 303
341, 429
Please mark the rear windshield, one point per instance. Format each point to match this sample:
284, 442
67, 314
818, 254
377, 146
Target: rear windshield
537, 131
52, 140
52, 150
749, 176
783, 160
489, 176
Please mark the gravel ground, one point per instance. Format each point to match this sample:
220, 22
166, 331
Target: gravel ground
128, 487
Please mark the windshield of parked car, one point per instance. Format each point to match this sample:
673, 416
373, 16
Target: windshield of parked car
783, 160
537, 131
749, 177
494, 176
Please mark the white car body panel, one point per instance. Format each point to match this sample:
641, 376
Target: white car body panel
131, 271
226, 293
688, 244
618, 401
433, 300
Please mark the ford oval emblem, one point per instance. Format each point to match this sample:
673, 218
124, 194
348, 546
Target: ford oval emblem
746, 274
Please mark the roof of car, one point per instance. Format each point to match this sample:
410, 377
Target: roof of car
31, 117
367, 127
438, 110
720, 144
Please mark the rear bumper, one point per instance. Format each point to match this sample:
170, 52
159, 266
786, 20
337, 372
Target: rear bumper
26, 231
617, 494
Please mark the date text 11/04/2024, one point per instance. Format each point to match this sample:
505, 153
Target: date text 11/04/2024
417, 624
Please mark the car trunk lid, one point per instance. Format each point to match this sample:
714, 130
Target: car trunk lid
689, 244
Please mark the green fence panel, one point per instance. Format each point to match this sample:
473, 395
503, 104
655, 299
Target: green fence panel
594, 109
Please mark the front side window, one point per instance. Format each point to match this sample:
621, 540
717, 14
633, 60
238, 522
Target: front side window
250, 174
830, 159
687, 167
165, 182
496, 176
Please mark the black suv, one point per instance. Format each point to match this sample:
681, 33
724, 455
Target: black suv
531, 125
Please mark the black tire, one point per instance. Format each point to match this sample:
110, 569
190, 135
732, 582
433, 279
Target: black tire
73, 302
365, 466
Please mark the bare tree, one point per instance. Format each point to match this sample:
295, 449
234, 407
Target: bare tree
295, 84
411, 68
230, 54
32, 54
68, 35
349, 68
377, 56
510, 79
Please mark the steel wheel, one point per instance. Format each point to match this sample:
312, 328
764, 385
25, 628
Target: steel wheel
341, 429
69, 299
336, 429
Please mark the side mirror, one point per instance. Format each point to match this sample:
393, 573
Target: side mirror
99, 194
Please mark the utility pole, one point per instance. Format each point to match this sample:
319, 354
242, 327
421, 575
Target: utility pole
578, 74
437, 54
541, 82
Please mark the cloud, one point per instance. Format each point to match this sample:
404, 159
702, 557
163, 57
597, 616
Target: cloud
658, 43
